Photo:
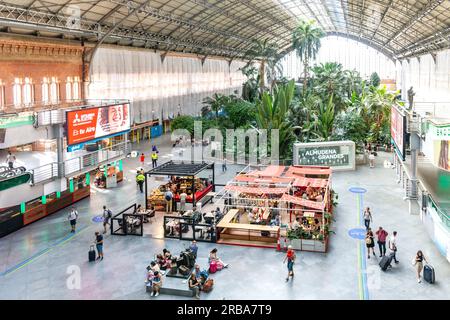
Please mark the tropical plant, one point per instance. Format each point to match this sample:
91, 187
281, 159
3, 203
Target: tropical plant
250, 87
324, 120
375, 80
266, 54
272, 113
301, 110
329, 80
306, 42
240, 113
215, 104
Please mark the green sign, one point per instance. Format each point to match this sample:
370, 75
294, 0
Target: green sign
16, 121
335, 156
14, 181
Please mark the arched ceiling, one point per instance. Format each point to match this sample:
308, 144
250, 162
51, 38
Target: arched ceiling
398, 28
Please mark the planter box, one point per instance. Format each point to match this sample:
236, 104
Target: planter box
295, 243
361, 159
319, 246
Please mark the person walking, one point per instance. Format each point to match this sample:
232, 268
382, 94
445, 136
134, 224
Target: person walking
140, 179
73, 216
194, 248
142, 160
107, 215
154, 159
99, 245
382, 235
183, 197
10, 159
393, 246
224, 165
418, 263
370, 243
367, 218
290, 257
168, 196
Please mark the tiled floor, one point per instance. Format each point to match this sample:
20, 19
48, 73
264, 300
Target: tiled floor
42, 260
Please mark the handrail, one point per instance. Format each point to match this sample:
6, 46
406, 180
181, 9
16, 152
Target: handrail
81, 163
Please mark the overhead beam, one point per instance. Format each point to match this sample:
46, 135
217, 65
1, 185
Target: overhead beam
382, 18
429, 7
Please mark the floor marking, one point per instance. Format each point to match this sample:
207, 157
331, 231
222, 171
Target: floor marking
39, 254
361, 248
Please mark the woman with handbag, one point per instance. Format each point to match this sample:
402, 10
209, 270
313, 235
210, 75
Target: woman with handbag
370, 243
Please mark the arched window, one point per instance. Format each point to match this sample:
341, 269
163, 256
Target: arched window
54, 90
69, 88
27, 91
17, 92
45, 90
76, 88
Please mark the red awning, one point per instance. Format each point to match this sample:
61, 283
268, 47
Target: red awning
246, 178
302, 202
256, 190
315, 183
301, 171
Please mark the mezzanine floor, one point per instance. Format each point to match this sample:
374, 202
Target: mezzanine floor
35, 260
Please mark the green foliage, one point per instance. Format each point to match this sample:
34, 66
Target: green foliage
240, 113
266, 54
306, 39
350, 126
375, 80
272, 113
324, 120
183, 122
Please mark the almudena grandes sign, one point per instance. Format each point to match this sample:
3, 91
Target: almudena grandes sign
337, 154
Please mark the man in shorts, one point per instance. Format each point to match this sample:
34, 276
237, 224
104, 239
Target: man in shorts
99, 245
73, 216
107, 214
290, 257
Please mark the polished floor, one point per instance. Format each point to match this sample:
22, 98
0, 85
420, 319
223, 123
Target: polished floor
45, 261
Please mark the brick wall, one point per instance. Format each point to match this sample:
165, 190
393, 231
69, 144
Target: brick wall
36, 60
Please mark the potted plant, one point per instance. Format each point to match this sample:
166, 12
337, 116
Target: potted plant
294, 237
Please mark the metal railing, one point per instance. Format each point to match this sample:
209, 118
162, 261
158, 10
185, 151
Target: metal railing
431, 109
80, 164
44, 173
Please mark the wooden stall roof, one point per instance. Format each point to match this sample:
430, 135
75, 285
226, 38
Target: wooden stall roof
247, 178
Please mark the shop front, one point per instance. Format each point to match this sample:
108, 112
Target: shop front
109, 175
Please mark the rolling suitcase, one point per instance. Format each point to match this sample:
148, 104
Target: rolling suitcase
428, 273
184, 270
91, 254
180, 261
385, 262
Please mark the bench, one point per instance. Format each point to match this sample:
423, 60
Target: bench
173, 291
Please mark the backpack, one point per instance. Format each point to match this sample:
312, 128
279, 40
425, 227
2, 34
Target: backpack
109, 214
168, 197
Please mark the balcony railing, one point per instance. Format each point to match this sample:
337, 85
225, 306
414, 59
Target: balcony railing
81, 164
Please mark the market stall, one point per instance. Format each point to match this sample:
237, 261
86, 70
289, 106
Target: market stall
292, 204
183, 177
107, 176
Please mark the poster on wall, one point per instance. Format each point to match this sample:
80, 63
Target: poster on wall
96, 123
398, 122
442, 154
337, 154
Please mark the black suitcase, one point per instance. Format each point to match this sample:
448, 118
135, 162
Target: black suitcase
184, 270
91, 254
385, 262
180, 261
186, 260
428, 273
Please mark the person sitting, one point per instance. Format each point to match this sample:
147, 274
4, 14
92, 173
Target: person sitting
217, 213
209, 217
194, 285
275, 221
295, 225
162, 262
154, 267
316, 225
166, 254
305, 196
213, 257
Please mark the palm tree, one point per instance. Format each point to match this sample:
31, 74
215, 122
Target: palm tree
324, 119
329, 80
300, 113
306, 42
214, 104
263, 51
